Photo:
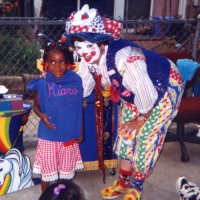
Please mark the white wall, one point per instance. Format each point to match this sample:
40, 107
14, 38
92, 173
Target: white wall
182, 8
37, 7
151, 8
119, 9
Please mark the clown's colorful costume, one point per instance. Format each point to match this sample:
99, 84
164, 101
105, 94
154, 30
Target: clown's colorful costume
144, 81
163, 98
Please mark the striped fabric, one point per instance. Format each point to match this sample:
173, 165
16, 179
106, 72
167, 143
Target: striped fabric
135, 77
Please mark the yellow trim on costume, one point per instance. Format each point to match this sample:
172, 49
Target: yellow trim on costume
94, 165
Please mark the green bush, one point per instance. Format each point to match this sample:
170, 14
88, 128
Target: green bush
18, 54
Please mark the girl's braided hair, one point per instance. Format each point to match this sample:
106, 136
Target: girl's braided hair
60, 47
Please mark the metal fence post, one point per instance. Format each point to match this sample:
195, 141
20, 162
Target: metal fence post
196, 39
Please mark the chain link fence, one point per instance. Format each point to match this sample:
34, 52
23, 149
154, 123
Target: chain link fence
161, 35
20, 46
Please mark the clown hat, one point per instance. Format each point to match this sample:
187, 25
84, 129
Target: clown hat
88, 25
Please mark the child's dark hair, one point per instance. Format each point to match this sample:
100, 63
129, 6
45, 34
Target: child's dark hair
63, 190
60, 47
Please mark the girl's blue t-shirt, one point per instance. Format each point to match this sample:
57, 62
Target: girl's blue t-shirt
61, 99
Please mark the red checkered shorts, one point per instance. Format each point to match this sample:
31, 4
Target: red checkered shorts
53, 160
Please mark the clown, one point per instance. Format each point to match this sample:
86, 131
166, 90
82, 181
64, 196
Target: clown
148, 85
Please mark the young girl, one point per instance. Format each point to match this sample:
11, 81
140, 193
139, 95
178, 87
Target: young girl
63, 190
58, 103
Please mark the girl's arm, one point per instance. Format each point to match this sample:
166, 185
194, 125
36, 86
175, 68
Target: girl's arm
45, 118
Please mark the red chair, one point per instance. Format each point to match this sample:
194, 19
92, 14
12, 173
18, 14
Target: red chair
189, 111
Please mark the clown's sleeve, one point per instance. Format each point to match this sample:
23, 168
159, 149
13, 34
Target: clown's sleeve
137, 80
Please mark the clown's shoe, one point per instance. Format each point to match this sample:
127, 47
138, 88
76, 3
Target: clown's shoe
113, 191
132, 194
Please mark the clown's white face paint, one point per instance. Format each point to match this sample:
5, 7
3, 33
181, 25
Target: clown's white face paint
88, 51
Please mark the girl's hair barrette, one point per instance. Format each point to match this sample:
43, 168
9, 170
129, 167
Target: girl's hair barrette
46, 37
57, 189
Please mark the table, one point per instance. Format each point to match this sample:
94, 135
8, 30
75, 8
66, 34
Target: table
11, 128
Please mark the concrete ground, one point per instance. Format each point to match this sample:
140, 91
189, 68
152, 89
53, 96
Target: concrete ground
159, 186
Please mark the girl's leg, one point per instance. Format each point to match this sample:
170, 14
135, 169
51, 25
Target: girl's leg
72, 160
45, 162
44, 185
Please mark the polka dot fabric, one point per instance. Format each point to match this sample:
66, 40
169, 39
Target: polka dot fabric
176, 76
113, 27
88, 20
